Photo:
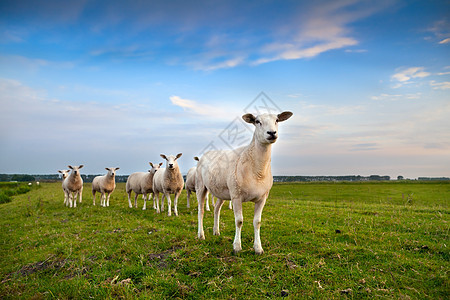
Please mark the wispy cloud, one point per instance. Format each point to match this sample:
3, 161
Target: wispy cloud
201, 109
405, 76
440, 85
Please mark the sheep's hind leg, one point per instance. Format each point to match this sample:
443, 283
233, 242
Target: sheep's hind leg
217, 208
257, 225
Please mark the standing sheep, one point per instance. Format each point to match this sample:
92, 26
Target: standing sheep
241, 175
104, 184
169, 181
73, 186
142, 183
64, 174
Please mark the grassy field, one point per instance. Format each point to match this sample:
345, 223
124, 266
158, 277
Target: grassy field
321, 240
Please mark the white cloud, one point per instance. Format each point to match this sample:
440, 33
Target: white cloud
405, 76
445, 41
440, 85
202, 109
396, 97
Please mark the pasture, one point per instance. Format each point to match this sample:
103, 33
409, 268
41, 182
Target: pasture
321, 240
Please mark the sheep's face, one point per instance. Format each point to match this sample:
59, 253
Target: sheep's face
171, 161
154, 168
266, 125
112, 171
75, 170
64, 173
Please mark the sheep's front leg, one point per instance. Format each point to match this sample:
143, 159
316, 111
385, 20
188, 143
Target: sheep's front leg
201, 194
155, 199
162, 202
129, 200
145, 202
257, 225
81, 194
175, 202
169, 204
93, 194
107, 202
217, 208
230, 206
70, 199
154, 202
239, 221
75, 200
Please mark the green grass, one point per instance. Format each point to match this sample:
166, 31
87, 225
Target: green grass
321, 240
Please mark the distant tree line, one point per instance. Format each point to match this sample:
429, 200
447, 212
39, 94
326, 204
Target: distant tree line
123, 178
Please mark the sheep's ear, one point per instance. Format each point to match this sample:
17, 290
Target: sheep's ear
249, 118
59, 171
160, 164
284, 116
151, 164
196, 158
107, 169
117, 168
70, 167
163, 156
80, 166
178, 155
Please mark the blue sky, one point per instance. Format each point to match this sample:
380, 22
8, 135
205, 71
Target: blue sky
116, 83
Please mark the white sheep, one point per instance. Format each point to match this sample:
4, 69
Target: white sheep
73, 186
240, 175
64, 174
105, 185
190, 185
142, 183
169, 181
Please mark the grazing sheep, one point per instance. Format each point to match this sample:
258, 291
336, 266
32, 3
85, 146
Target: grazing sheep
240, 175
190, 185
105, 184
64, 174
142, 183
73, 186
169, 181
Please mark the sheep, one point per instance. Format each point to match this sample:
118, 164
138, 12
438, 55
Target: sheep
104, 184
64, 174
240, 175
142, 183
190, 185
169, 181
73, 185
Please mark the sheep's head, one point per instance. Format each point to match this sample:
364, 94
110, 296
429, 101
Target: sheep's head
75, 170
154, 167
266, 125
64, 173
171, 160
112, 171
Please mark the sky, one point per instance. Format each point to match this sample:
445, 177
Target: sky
117, 83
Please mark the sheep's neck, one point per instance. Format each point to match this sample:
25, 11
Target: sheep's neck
172, 173
260, 157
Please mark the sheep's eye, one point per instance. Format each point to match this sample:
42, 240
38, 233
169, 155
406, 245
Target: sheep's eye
276, 121
257, 122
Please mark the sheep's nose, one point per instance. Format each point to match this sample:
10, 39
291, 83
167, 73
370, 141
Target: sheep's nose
273, 133
170, 165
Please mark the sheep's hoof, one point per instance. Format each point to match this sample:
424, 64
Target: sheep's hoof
201, 236
259, 251
216, 233
130, 206
237, 249
144, 208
